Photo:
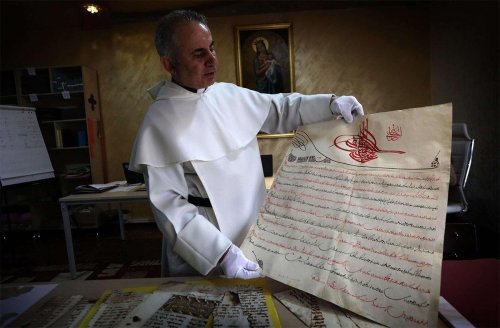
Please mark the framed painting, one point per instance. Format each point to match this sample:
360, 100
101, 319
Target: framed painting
264, 57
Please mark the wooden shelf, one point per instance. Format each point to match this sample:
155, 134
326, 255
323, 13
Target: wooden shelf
68, 111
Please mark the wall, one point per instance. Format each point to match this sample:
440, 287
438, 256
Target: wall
465, 71
380, 55
384, 55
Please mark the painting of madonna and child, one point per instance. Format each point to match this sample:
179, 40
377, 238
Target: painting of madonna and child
264, 58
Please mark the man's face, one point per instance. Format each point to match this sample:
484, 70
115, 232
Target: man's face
196, 62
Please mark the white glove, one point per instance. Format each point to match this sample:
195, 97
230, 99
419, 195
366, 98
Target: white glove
236, 265
346, 106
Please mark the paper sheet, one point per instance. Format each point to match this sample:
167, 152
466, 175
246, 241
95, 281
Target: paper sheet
204, 303
315, 312
59, 311
356, 214
15, 300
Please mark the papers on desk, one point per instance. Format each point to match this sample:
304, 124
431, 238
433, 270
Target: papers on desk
130, 187
203, 303
316, 312
95, 188
114, 186
17, 299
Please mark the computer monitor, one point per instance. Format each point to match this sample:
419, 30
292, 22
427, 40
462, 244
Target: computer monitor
131, 176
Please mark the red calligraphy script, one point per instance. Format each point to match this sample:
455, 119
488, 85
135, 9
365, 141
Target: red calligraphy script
394, 133
361, 147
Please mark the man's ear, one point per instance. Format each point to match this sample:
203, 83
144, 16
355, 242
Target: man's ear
167, 64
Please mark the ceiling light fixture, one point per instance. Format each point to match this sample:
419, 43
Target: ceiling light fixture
92, 8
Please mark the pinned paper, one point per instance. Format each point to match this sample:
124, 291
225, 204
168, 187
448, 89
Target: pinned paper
33, 97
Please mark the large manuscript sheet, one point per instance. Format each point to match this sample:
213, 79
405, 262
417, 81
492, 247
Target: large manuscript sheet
356, 214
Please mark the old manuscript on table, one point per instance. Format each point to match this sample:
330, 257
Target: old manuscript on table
356, 214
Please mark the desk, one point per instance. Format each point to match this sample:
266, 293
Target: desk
108, 197
94, 288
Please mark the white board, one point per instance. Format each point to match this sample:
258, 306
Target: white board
23, 155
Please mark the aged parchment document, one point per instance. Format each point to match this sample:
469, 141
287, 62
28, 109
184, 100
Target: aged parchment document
356, 214
315, 312
207, 303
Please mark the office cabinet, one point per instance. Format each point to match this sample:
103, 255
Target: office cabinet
8, 95
69, 115
68, 110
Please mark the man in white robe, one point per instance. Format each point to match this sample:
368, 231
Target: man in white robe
198, 151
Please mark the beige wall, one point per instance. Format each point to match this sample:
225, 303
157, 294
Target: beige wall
380, 55
390, 57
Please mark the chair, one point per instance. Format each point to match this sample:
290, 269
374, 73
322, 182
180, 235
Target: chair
460, 238
462, 147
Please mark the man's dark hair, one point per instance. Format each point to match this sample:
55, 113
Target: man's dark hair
165, 37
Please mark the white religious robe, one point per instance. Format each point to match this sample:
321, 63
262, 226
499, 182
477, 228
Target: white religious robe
211, 135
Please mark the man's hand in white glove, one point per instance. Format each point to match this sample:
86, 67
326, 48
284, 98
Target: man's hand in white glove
346, 106
236, 265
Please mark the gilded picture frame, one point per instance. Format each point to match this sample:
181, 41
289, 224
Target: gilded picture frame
264, 57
